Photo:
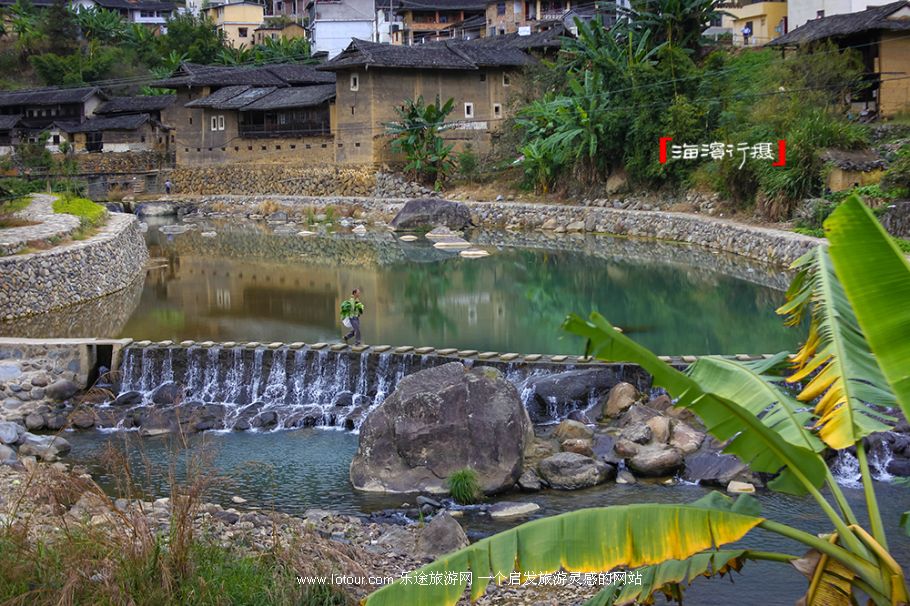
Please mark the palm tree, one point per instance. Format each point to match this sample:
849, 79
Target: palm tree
858, 353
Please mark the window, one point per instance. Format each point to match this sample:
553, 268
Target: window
191, 120
142, 139
214, 123
243, 32
497, 110
506, 80
500, 8
355, 85
56, 139
147, 14
468, 110
483, 77
819, 14
220, 122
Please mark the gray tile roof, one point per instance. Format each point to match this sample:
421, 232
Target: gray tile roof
8, 122
126, 122
496, 51
232, 97
285, 74
47, 96
131, 105
837, 26
298, 96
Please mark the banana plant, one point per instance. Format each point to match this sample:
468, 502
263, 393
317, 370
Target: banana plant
859, 346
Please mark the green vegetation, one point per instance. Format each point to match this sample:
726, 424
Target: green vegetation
61, 45
463, 486
854, 363
613, 93
90, 213
10, 206
416, 135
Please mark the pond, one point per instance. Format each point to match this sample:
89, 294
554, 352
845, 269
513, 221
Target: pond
252, 281
292, 471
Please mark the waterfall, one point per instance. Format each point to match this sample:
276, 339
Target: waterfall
276, 388
210, 383
382, 379
256, 378
878, 461
147, 381
126, 373
846, 470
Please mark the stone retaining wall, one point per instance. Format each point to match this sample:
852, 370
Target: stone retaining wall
77, 271
766, 245
291, 180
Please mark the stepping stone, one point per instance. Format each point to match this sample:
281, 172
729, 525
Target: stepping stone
318, 346
559, 359
296, 345
585, 359
424, 350
533, 358
187, 343
404, 349
165, 343
666, 359
338, 347
508, 357
382, 348
229, 344
467, 353
743, 357
143, 343
448, 351
276, 345
359, 348
207, 344
487, 354
690, 359
252, 345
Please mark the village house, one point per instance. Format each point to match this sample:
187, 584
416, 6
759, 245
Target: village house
800, 12
26, 114
150, 13
332, 24
275, 30
882, 36
238, 20
279, 113
373, 79
432, 20
764, 21
121, 124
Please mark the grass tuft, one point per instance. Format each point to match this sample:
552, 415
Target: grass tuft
464, 487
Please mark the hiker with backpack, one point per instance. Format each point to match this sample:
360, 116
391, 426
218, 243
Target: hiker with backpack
351, 310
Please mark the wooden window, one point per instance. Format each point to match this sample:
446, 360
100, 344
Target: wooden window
220, 122
468, 110
214, 123
506, 80
355, 85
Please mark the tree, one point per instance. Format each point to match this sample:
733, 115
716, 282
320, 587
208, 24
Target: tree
860, 345
416, 135
192, 35
102, 25
677, 22
59, 28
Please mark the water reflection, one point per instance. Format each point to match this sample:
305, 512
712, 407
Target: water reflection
251, 282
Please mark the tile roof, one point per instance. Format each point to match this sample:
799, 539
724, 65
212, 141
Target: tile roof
281, 75
145, 5
496, 51
232, 97
873, 19
126, 122
47, 96
298, 96
131, 105
8, 122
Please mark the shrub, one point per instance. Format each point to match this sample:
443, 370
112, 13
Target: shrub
897, 178
464, 487
90, 214
467, 162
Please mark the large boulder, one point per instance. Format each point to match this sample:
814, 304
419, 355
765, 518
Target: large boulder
427, 213
569, 470
620, 398
61, 390
46, 448
438, 421
10, 432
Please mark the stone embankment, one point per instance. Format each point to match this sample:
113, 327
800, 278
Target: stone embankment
759, 243
71, 272
47, 226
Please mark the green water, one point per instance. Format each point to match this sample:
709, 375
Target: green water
292, 471
250, 283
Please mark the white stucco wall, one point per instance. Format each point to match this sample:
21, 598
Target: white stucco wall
801, 11
334, 36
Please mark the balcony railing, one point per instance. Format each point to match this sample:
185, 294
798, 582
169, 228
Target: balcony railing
262, 132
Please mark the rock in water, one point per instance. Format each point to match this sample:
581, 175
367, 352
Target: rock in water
438, 421
61, 390
569, 470
426, 213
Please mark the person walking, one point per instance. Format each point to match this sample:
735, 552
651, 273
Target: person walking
351, 310
167, 187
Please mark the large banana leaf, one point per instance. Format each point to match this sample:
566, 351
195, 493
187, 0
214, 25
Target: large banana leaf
586, 540
876, 278
746, 384
836, 356
762, 447
668, 578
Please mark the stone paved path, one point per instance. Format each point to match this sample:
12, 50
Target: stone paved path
48, 224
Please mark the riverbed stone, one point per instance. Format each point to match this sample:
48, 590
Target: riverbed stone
656, 460
128, 398
736, 487
569, 471
512, 509
565, 391
438, 421
34, 421
529, 481
619, 399
625, 477
47, 448
7, 455
426, 213
660, 429
441, 536
712, 468
10, 432
639, 434
578, 445
167, 393
61, 390
685, 439
569, 429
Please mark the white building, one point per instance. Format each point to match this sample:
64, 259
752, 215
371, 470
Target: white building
801, 11
332, 24
146, 12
